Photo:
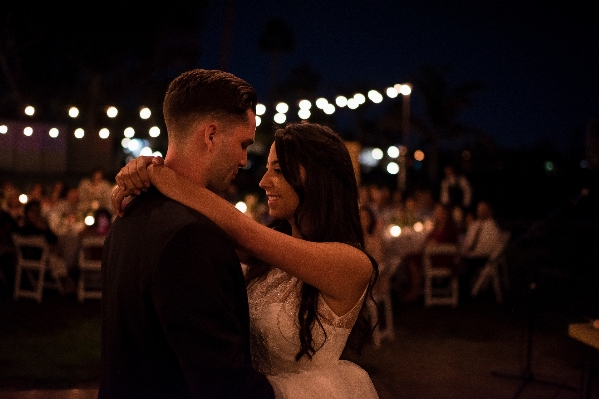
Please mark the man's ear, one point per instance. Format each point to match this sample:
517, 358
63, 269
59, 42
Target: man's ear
209, 132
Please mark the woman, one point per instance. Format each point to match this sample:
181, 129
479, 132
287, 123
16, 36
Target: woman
308, 275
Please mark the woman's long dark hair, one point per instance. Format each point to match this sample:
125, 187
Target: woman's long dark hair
327, 212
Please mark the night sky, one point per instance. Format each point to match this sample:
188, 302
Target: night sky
540, 63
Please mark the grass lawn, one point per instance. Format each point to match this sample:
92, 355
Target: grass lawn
54, 344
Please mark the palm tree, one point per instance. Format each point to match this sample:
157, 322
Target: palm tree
276, 38
442, 105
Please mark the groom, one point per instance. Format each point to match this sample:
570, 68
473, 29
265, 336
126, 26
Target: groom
175, 320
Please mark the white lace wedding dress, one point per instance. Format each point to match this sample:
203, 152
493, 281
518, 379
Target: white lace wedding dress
273, 305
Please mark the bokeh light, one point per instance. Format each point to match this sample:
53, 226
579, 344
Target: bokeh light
260, 109
129, 132
145, 113
393, 151
112, 112
392, 168
154, 131
341, 101
280, 118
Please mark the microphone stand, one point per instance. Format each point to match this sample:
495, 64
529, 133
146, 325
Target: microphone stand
527, 376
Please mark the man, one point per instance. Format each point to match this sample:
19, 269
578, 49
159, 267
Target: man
175, 320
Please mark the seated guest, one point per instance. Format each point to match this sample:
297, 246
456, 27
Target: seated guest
481, 239
34, 223
445, 231
95, 191
482, 236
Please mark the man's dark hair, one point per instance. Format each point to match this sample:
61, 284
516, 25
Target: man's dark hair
200, 93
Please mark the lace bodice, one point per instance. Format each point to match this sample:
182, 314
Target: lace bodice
274, 303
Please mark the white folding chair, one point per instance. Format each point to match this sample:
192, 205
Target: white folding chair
490, 273
33, 258
383, 299
89, 267
440, 283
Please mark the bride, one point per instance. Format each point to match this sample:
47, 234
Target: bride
308, 276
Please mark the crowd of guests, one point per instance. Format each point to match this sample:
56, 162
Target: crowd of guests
450, 217
61, 215
453, 216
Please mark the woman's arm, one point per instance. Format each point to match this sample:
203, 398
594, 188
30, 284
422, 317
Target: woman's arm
341, 272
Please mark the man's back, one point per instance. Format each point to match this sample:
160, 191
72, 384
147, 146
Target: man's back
174, 309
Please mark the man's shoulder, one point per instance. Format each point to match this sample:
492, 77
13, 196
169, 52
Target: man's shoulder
161, 210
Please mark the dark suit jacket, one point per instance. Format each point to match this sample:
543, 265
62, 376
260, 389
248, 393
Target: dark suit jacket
175, 320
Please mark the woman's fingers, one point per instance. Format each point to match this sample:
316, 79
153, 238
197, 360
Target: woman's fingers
117, 197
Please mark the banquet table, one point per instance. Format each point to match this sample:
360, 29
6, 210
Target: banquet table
588, 335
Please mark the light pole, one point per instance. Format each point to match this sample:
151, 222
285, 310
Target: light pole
405, 90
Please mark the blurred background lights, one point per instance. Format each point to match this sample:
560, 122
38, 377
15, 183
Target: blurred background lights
258, 120
104, 133
145, 113
89, 220
377, 153
304, 113
549, 166
282, 108
391, 92
419, 155
29, 110
305, 104
341, 101
134, 145
365, 158
23, 198
393, 151
157, 154
329, 109
260, 109
359, 97
125, 142
129, 132
403, 89
321, 102
395, 230
112, 112
3, 129
28, 131
241, 206
352, 103
146, 151
375, 96
418, 227
73, 112
392, 168
53, 132
79, 133
154, 131
280, 118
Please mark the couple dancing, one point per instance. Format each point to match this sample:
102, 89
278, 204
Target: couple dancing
179, 319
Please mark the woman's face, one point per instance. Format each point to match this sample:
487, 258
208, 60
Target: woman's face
282, 199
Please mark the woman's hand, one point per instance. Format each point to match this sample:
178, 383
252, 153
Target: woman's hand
132, 179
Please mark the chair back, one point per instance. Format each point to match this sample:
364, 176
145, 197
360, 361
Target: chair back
90, 252
32, 251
